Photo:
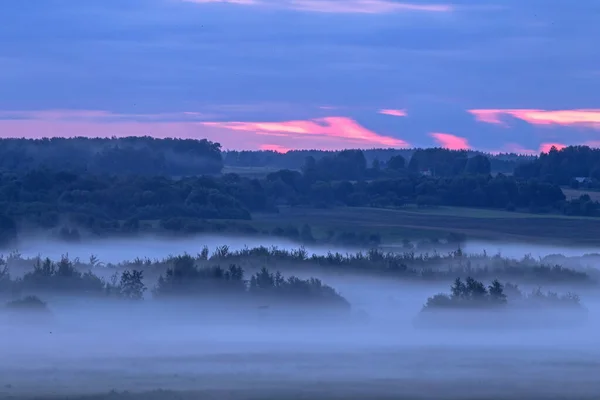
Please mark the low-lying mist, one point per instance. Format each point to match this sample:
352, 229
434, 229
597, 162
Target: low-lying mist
153, 247
234, 348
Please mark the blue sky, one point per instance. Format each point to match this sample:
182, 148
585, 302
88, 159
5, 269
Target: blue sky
286, 74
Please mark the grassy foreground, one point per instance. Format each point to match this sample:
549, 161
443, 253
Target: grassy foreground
412, 222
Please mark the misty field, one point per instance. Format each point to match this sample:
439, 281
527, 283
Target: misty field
305, 371
103, 341
395, 225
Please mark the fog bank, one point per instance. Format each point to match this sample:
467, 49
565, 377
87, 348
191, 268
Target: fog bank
153, 247
91, 347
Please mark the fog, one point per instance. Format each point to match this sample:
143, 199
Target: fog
118, 250
89, 349
518, 250
217, 350
153, 247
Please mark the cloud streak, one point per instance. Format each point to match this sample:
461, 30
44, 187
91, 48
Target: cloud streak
339, 6
589, 118
329, 133
346, 129
392, 112
450, 141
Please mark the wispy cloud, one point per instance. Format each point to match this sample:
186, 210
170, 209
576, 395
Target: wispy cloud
589, 118
450, 141
392, 112
365, 6
274, 147
340, 6
352, 133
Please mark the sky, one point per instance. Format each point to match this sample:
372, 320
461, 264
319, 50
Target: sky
492, 75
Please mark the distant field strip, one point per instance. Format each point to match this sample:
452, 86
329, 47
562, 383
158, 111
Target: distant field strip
476, 223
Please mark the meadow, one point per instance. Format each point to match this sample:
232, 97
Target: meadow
395, 225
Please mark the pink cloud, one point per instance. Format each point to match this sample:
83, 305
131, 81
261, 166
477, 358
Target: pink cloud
546, 147
578, 117
342, 128
339, 6
365, 6
451, 142
518, 149
332, 133
274, 147
395, 113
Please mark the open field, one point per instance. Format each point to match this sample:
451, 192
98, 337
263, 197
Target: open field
428, 373
395, 225
249, 172
576, 193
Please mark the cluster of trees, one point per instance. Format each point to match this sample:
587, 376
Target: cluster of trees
421, 266
409, 265
183, 279
295, 159
472, 293
127, 204
46, 198
500, 191
353, 165
128, 155
563, 166
469, 294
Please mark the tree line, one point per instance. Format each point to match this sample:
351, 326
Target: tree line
183, 280
573, 165
295, 159
119, 156
407, 266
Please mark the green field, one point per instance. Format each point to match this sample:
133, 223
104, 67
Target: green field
411, 223
249, 172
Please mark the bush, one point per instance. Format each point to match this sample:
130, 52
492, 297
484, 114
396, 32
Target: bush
474, 294
28, 303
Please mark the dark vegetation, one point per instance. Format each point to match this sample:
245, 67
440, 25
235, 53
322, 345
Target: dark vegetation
180, 277
295, 159
473, 294
120, 156
223, 271
28, 303
221, 276
563, 166
117, 186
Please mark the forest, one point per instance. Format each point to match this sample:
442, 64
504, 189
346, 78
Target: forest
181, 193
